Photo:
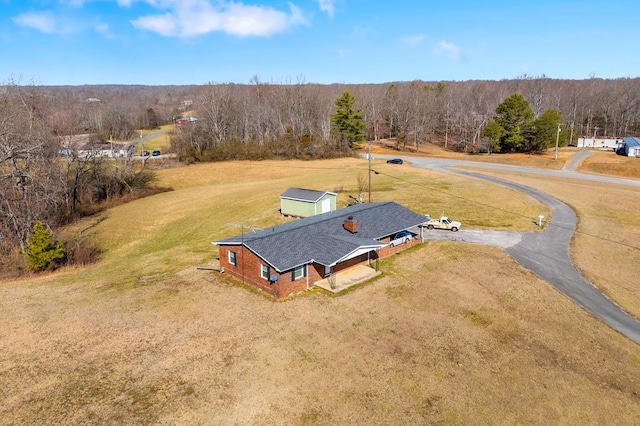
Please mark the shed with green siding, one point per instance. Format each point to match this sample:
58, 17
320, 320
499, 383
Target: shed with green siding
301, 202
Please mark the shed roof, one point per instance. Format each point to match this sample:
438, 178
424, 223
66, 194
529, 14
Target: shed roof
323, 239
301, 194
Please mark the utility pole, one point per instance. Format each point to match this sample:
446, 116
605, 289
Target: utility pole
369, 157
557, 140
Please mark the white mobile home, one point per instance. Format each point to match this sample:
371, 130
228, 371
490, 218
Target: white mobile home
600, 143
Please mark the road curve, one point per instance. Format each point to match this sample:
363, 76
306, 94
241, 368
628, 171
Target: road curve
546, 254
444, 164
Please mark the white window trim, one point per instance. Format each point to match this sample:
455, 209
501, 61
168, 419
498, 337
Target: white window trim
264, 268
302, 272
233, 261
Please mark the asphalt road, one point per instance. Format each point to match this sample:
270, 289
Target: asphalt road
546, 254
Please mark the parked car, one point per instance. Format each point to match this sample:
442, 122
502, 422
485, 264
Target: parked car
442, 223
395, 161
155, 153
401, 238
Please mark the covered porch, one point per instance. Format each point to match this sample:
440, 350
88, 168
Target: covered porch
346, 278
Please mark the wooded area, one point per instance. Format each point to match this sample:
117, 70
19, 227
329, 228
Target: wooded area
41, 181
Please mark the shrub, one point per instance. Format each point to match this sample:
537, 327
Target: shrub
42, 251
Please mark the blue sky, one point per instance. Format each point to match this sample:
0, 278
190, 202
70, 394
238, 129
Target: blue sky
157, 42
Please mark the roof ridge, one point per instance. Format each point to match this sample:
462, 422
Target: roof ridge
312, 220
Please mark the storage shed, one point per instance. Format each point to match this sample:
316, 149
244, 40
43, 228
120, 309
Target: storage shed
301, 202
630, 147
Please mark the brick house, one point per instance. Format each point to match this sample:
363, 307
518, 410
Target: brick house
290, 258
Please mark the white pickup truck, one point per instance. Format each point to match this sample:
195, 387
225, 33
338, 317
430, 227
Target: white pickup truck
442, 223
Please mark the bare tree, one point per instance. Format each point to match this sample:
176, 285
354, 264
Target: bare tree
29, 180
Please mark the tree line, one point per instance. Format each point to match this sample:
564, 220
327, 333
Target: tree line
262, 120
43, 186
259, 120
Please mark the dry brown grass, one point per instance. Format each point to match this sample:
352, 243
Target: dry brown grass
433, 341
606, 247
608, 163
451, 333
600, 162
544, 160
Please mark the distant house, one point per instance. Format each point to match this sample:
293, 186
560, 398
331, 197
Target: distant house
301, 202
106, 150
630, 147
188, 120
601, 143
290, 258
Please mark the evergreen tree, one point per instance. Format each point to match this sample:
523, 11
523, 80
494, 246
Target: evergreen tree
42, 251
347, 123
515, 116
546, 128
494, 132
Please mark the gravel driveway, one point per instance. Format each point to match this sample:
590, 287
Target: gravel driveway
546, 254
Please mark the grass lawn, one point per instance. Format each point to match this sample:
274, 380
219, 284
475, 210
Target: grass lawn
600, 162
451, 333
606, 248
160, 142
608, 163
544, 160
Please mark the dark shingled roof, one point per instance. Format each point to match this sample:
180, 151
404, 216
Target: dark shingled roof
323, 239
302, 194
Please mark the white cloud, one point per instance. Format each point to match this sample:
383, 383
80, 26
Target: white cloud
73, 3
448, 49
102, 28
189, 18
162, 24
413, 40
43, 22
328, 7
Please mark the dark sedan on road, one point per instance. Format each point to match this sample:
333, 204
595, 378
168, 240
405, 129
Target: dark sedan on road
395, 161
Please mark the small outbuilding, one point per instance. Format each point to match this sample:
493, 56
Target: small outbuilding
630, 147
301, 202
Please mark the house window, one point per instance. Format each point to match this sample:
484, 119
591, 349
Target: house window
232, 257
264, 272
299, 272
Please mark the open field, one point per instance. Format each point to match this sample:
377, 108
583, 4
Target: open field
607, 247
608, 163
600, 162
544, 160
160, 142
451, 333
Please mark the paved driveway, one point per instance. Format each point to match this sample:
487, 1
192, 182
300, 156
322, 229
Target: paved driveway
546, 253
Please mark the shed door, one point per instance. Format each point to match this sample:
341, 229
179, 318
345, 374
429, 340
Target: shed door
326, 205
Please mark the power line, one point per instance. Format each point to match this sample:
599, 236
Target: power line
476, 202
506, 211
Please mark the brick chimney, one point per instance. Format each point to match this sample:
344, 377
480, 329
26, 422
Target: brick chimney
351, 225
